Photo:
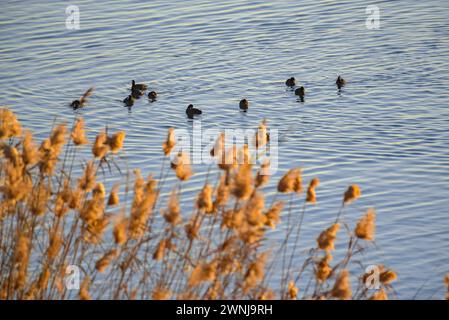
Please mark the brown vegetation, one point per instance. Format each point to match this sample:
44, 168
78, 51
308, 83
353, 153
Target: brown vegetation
51, 219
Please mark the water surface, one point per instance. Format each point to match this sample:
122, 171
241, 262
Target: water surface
387, 130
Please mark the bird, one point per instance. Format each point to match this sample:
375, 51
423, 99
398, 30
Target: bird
83, 100
138, 86
191, 111
244, 104
129, 101
136, 93
152, 95
340, 82
290, 82
301, 92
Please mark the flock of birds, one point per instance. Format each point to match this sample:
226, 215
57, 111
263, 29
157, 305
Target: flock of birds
138, 90
301, 91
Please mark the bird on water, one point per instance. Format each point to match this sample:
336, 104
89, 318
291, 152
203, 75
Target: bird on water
81, 102
244, 104
152, 95
290, 82
301, 92
191, 111
138, 86
136, 93
129, 101
340, 82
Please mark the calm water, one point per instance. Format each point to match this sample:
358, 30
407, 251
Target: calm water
387, 131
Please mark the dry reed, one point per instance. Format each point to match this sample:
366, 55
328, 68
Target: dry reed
57, 219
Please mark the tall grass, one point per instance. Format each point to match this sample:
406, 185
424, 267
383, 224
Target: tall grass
51, 219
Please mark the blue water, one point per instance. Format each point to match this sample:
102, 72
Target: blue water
388, 131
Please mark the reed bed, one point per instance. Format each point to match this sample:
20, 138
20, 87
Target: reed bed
128, 243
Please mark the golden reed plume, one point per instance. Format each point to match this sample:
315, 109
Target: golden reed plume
59, 209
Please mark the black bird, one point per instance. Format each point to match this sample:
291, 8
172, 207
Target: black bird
136, 93
138, 86
152, 95
129, 101
83, 100
340, 82
244, 104
191, 111
301, 92
290, 82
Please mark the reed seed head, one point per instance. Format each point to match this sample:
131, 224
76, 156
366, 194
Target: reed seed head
181, 165
101, 146
55, 245
120, 231
142, 208
291, 181
87, 181
352, 194
263, 175
323, 270
254, 210
366, 226
173, 212
161, 294
203, 272
261, 135
115, 141
30, 154
106, 260
170, 142
57, 138
114, 198
222, 193
327, 238
381, 294
311, 194
217, 150
99, 192
342, 286
273, 215
160, 250
9, 125
292, 290
387, 276
84, 289
255, 272
242, 183
78, 135
204, 200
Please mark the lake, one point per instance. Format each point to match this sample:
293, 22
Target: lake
388, 130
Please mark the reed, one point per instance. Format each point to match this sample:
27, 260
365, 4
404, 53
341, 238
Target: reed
51, 220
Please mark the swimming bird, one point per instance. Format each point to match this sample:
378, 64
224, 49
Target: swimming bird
244, 104
191, 111
290, 82
340, 82
136, 93
152, 95
301, 92
138, 86
83, 100
129, 101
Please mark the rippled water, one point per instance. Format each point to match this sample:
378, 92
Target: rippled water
387, 131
